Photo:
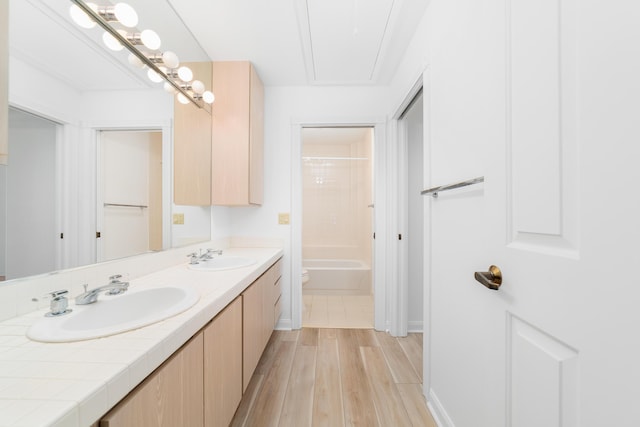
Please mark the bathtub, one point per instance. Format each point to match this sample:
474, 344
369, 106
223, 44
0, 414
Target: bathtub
337, 277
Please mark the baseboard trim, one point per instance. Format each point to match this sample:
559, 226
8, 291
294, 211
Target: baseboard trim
440, 416
415, 326
284, 325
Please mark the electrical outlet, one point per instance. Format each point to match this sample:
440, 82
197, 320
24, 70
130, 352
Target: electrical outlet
178, 218
283, 218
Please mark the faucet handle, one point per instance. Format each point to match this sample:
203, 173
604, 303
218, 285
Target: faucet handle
59, 303
115, 278
57, 294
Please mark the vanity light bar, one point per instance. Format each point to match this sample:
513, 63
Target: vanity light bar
140, 55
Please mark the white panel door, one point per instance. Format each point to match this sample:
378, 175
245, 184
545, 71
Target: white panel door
572, 216
559, 212
130, 181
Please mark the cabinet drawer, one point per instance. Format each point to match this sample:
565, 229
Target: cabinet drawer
277, 311
276, 270
276, 291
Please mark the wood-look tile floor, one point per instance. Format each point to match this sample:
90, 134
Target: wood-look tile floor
337, 311
335, 378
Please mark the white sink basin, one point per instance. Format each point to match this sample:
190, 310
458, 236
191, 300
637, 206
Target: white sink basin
223, 262
113, 315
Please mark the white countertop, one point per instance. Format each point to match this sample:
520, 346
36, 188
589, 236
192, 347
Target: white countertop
74, 384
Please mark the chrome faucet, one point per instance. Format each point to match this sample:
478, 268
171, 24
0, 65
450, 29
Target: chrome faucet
114, 287
195, 258
208, 254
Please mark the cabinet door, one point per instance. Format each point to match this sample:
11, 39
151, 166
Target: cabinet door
171, 396
237, 134
192, 147
223, 366
252, 323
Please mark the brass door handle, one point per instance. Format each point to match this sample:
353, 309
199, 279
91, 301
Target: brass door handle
491, 279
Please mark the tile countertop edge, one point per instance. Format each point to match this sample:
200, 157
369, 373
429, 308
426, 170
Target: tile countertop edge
173, 333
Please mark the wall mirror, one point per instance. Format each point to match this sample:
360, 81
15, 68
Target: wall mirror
84, 126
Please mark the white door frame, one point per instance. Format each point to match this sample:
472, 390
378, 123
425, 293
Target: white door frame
379, 224
398, 248
163, 126
398, 218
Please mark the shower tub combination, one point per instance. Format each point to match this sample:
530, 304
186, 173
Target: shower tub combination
337, 277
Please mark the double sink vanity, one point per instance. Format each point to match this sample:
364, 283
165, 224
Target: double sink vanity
177, 348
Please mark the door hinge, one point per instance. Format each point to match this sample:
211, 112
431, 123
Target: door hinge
374, 235
98, 235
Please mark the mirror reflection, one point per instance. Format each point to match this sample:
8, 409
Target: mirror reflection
89, 173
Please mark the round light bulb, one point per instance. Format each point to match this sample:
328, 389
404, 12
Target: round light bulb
150, 39
135, 61
198, 87
169, 88
153, 76
185, 74
126, 15
183, 99
170, 59
208, 97
111, 42
80, 17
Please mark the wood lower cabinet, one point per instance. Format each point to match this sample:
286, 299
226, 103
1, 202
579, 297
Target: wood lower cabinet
202, 383
223, 366
252, 319
260, 302
171, 396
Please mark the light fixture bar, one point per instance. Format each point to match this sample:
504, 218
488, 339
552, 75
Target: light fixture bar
333, 158
126, 43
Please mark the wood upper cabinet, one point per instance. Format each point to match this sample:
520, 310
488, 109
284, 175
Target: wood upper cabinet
192, 147
223, 366
237, 135
4, 81
173, 395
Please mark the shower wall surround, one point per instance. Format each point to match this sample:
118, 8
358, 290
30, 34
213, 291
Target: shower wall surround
337, 192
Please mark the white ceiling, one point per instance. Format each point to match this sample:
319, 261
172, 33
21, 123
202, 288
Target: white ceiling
307, 42
291, 42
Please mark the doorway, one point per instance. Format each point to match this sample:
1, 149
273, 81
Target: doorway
337, 224
412, 251
129, 207
28, 203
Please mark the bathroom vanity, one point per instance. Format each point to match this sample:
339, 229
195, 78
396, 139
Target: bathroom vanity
202, 383
190, 369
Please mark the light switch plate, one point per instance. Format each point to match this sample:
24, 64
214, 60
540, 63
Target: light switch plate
283, 218
178, 218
